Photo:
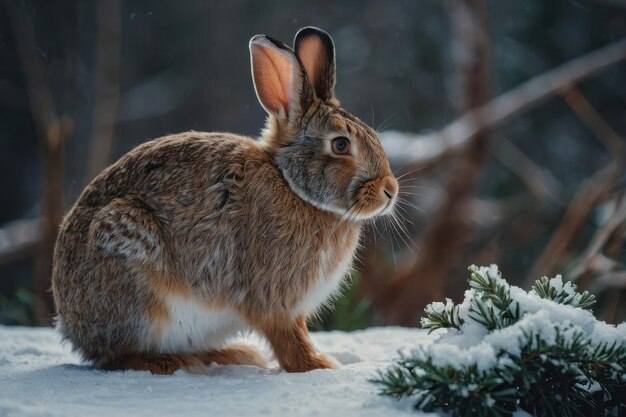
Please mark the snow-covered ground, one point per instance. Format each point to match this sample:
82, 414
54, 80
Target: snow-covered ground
39, 376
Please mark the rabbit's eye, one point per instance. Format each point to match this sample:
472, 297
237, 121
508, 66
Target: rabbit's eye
341, 146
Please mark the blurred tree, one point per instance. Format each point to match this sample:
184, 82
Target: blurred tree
166, 67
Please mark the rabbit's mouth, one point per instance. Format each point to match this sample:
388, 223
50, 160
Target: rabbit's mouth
380, 210
389, 194
388, 208
376, 197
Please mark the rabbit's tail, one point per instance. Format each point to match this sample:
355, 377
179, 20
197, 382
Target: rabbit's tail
167, 364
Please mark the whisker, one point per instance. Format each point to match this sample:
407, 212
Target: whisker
376, 228
403, 185
384, 128
406, 213
405, 180
401, 223
400, 230
393, 252
374, 234
410, 172
421, 210
407, 203
396, 171
416, 194
383, 122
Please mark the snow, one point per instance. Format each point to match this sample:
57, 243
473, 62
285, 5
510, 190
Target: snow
39, 376
474, 345
568, 290
439, 307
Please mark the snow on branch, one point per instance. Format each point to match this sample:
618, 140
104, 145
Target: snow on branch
19, 238
425, 149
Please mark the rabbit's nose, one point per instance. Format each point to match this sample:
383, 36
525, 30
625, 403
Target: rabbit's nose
390, 187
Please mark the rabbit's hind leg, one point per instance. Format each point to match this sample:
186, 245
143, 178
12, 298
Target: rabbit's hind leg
125, 266
236, 354
165, 364
129, 229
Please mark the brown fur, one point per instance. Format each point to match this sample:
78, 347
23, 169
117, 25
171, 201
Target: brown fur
262, 230
157, 364
292, 345
168, 364
237, 354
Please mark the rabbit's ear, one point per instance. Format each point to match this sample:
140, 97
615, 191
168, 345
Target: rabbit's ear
279, 81
316, 51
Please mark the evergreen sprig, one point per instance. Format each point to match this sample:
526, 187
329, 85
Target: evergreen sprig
440, 315
494, 308
481, 394
563, 372
554, 289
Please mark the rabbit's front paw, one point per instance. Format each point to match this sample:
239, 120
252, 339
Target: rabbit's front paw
326, 362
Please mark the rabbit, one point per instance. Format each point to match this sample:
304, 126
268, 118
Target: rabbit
190, 239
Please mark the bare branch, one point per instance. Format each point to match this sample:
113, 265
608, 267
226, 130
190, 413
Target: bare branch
596, 123
589, 194
19, 239
541, 184
611, 280
429, 148
599, 239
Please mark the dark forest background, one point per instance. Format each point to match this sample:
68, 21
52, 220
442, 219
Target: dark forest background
539, 191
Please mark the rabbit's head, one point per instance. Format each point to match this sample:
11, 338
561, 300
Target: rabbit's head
329, 157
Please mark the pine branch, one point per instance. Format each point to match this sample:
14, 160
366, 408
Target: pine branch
449, 389
542, 366
494, 309
440, 315
554, 289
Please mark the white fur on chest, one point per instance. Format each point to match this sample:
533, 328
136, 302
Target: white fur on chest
327, 286
194, 327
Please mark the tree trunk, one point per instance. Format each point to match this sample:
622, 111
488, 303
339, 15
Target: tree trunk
449, 231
